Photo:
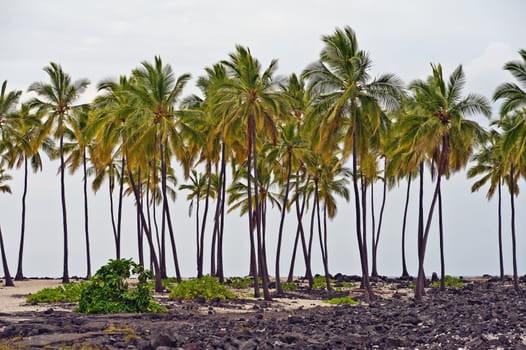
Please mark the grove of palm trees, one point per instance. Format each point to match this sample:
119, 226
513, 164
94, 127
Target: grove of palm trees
256, 144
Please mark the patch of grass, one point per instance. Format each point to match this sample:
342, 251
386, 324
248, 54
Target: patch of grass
108, 291
67, 293
207, 287
319, 282
341, 301
290, 286
129, 333
449, 281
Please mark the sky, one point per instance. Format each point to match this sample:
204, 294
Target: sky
105, 39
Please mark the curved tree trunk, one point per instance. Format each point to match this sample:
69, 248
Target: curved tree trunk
203, 224
380, 220
7, 275
279, 289
153, 255
369, 296
222, 178
404, 263
19, 272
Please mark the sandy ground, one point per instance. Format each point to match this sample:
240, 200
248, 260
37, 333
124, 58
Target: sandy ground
13, 299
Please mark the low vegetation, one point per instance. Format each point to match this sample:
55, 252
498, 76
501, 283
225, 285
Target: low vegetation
67, 293
341, 301
449, 281
206, 287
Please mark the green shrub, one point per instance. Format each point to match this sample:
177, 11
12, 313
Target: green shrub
340, 301
449, 281
206, 287
108, 291
289, 286
68, 293
240, 282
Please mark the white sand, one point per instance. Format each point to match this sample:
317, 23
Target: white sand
13, 299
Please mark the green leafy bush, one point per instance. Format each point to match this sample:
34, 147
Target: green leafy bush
242, 282
342, 300
449, 281
207, 287
68, 293
108, 290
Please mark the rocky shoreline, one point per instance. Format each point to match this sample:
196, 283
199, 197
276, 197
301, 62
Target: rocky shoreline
484, 314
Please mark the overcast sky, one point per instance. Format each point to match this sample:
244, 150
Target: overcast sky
101, 39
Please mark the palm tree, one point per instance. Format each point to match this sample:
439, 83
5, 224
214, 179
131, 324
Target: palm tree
56, 100
445, 136
514, 95
31, 134
248, 98
289, 149
490, 167
81, 141
198, 188
513, 143
346, 98
157, 90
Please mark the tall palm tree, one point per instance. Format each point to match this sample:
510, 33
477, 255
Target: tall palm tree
347, 98
249, 97
513, 95
33, 134
490, 167
157, 90
81, 136
446, 136
513, 143
56, 100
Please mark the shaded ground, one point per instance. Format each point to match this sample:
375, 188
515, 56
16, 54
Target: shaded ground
482, 315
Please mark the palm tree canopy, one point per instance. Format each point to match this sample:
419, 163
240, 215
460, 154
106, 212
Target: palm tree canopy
514, 95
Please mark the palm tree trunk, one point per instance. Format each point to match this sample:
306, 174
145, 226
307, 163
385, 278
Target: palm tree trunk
220, 270
325, 240
419, 286
140, 231
205, 214
197, 235
404, 264
441, 233
153, 255
380, 220
501, 258
7, 275
374, 273
513, 239
19, 272
279, 289
363, 253
323, 246
119, 209
166, 212
253, 257
112, 213
86, 222
262, 264
65, 274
